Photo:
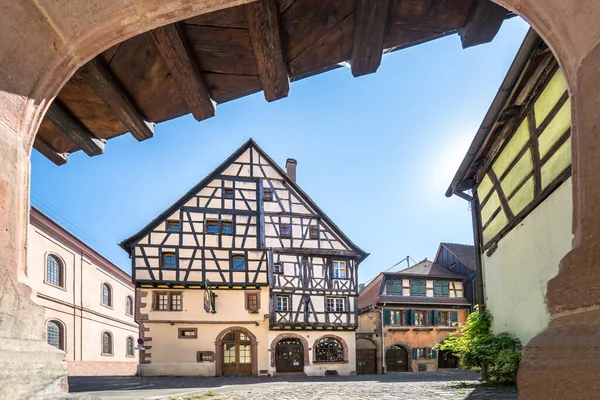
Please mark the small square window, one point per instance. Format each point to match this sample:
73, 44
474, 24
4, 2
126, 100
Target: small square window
335, 304
252, 302
314, 232
212, 226
228, 193
282, 303
277, 268
339, 269
187, 333
173, 226
167, 301
204, 356
268, 194
227, 227
239, 263
285, 230
176, 302
169, 260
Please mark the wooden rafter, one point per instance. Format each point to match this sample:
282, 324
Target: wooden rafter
172, 46
62, 119
48, 152
484, 23
263, 23
107, 87
369, 31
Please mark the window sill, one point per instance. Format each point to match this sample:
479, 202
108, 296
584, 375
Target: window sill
422, 329
107, 355
331, 362
55, 286
130, 356
399, 329
107, 306
447, 329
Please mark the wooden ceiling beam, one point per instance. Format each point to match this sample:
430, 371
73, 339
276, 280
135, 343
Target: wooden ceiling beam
73, 129
172, 46
370, 20
48, 152
265, 34
109, 89
483, 24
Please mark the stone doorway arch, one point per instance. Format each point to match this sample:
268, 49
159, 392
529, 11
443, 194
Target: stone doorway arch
219, 343
289, 335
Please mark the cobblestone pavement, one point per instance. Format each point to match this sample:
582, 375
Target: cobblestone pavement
441, 385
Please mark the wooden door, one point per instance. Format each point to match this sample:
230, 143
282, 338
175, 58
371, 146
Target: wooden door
237, 354
446, 359
289, 355
396, 359
366, 361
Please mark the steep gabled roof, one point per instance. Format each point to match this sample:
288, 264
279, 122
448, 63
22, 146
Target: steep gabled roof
429, 269
464, 252
129, 242
369, 296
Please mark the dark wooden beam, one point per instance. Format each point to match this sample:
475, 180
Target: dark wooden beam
109, 89
263, 23
370, 20
171, 44
48, 152
63, 120
484, 23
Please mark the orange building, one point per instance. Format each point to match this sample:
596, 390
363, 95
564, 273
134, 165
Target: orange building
415, 308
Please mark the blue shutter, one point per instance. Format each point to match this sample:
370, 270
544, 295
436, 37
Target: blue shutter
406, 317
415, 354
387, 317
453, 318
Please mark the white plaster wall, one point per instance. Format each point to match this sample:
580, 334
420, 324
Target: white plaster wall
517, 273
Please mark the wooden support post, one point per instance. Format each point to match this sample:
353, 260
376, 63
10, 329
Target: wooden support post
107, 87
48, 152
484, 23
171, 45
263, 23
62, 119
369, 30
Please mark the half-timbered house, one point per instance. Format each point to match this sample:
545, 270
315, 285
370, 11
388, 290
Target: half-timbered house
245, 274
517, 177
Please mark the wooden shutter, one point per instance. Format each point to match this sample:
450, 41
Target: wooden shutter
430, 317
154, 301
415, 354
433, 353
410, 317
453, 318
387, 317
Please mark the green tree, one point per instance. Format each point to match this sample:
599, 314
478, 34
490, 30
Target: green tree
498, 355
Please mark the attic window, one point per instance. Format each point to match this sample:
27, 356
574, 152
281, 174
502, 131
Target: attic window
212, 226
277, 268
314, 232
173, 226
285, 230
268, 194
169, 260
227, 227
228, 193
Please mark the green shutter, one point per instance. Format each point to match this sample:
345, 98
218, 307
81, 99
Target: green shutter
415, 354
387, 317
412, 317
436, 318
446, 289
430, 317
433, 353
453, 318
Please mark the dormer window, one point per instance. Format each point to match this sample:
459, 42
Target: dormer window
418, 288
267, 194
393, 288
339, 269
441, 289
228, 193
173, 226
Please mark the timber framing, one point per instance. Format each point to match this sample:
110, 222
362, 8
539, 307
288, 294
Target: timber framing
47, 151
484, 23
369, 31
109, 89
172, 45
62, 119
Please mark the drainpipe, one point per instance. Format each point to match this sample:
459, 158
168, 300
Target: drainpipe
382, 339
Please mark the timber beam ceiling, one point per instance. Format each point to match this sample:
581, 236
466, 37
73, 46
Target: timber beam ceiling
197, 63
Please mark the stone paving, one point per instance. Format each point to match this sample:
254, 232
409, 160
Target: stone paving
441, 385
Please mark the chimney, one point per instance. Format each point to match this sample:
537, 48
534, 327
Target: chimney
290, 167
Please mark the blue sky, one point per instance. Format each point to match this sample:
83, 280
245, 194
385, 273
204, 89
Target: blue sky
376, 153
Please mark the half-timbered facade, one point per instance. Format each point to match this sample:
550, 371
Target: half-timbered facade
245, 257
404, 315
518, 170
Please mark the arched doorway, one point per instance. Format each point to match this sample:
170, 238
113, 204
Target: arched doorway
447, 359
396, 359
237, 354
366, 357
289, 356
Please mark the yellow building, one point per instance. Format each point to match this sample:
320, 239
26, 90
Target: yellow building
88, 301
519, 171
244, 274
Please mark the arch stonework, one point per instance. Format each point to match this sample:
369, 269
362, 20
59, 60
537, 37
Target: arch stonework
378, 356
289, 335
339, 339
43, 46
219, 349
409, 352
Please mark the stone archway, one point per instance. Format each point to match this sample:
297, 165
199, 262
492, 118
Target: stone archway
364, 346
290, 335
44, 46
219, 349
400, 363
339, 339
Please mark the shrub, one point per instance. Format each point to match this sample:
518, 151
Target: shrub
498, 355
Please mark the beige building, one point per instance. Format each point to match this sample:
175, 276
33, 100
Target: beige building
244, 274
519, 169
88, 301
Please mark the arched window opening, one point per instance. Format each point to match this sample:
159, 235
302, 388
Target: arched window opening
106, 295
130, 352
329, 350
55, 334
107, 345
54, 271
129, 305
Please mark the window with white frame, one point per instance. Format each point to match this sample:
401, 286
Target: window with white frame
282, 303
339, 269
335, 304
